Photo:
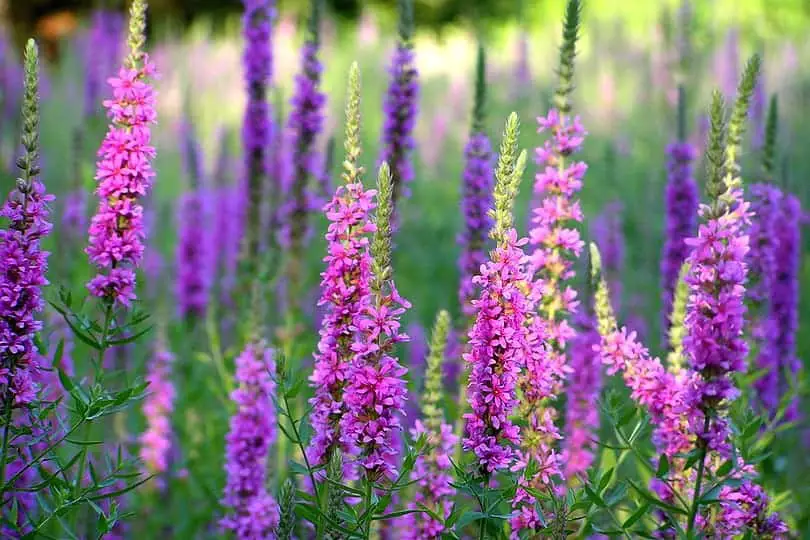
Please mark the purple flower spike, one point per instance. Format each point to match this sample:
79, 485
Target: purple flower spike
400, 107
476, 201
193, 259
305, 125
499, 345
681, 221
345, 291
253, 512
156, 441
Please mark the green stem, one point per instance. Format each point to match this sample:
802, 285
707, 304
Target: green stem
367, 504
6, 429
701, 468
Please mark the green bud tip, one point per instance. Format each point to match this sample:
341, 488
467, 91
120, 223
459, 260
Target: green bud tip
505, 178
677, 329
433, 375
352, 169
381, 245
771, 131
606, 320
406, 21
568, 51
29, 137
715, 147
314, 23
479, 107
137, 33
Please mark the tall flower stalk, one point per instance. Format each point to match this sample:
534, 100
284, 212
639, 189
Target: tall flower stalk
345, 288
400, 105
681, 204
476, 191
499, 339
156, 440
555, 245
715, 312
305, 125
22, 277
376, 391
257, 127
253, 513
124, 172
432, 470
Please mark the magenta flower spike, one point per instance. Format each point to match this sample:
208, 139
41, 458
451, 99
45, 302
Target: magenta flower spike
253, 513
555, 244
345, 290
124, 173
156, 440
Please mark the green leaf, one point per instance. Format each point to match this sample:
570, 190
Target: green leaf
635, 516
663, 467
616, 494
655, 501
725, 468
605, 480
594, 496
467, 518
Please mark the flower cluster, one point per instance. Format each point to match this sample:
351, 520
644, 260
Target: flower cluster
345, 292
584, 385
376, 391
785, 294
681, 200
24, 264
124, 174
715, 313
499, 343
761, 259
476, 200
745, 508
661, 392
400, 116
257, 127
193, 257
434, 481
305, 124
21, 280
156, 441
102, 49
554, 244
253, 513
608, 234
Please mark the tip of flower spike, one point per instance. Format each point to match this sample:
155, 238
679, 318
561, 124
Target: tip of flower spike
715, 145
505, 178
352, 134
606, 320
30, 118
433, 376
381, 245
406, 20
480, 89
314, 24
677, 319
769, 148
137, 33
568, 51
745, 90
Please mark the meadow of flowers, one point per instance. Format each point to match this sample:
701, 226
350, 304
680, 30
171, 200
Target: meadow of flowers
311, 283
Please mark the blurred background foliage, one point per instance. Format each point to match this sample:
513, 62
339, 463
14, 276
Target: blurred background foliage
762, 19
